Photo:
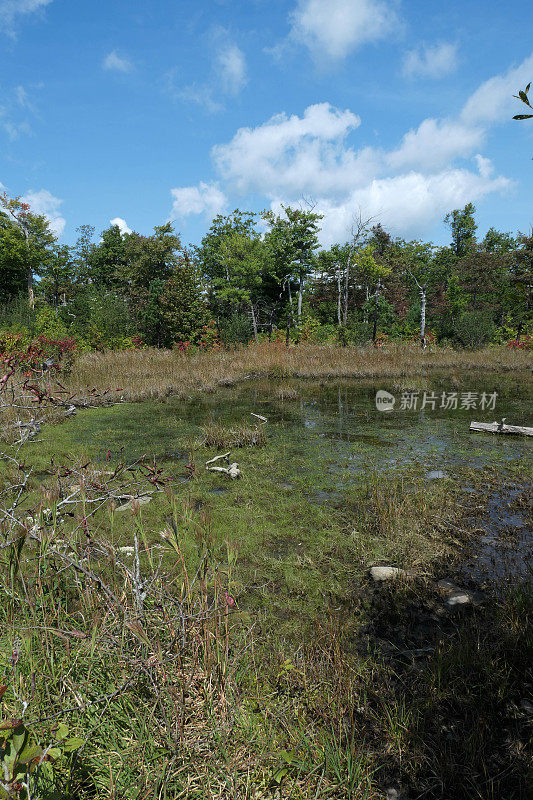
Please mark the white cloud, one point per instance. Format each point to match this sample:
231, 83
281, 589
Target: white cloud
205, 198
228, 76
286, 152
231, 69
408, 204
43, 202
121, 223
334, 28
431, 61
493, 101
10, 10
114, 62
436, 142
409, 187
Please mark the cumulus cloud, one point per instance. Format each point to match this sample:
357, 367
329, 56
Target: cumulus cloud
409, 187
409, 204
335, 28
431, 61
11, 10
121, 224
206, 198
113, 62
43, 202
285, 152
436, 142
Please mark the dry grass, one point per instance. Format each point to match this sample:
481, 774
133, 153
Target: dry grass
151, 373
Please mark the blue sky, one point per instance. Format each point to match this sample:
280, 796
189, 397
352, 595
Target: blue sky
148, 111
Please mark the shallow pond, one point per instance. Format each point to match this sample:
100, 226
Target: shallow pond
327, 438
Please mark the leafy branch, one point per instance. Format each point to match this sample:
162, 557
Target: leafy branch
523, 96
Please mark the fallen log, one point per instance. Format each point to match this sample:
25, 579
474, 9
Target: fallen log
500, 427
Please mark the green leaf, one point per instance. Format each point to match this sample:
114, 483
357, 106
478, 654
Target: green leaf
30, 752
72, 744
523, 116
61, 732
279, 775
19, 738
523, 97
54, 753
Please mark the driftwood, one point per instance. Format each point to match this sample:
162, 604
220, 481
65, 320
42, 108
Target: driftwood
232, 469
500, 427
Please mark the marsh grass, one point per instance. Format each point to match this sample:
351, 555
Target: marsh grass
221, 436
150, 373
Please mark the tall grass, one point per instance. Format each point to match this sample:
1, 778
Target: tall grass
151, 373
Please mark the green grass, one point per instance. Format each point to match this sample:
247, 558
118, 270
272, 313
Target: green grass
317, 684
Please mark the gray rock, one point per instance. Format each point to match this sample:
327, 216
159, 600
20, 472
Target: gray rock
459, 597
455, 596
386, 573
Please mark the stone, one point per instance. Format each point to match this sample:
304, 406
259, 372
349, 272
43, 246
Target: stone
459, 597
455, 595
386, 573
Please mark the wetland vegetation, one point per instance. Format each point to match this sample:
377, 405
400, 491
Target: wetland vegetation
170, 632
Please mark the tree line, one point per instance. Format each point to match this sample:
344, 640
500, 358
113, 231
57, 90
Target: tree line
256, 276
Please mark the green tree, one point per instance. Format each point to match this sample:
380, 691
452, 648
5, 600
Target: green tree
292, 240
242, 258
104, 260
35, 235
148, 258
183, 307
416, 259
463, 228
57, 276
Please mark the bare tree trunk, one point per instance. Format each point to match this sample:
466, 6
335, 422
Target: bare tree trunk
29, 271
300, 297
339, 320
254, 321
347, 281
423, 317
376, 306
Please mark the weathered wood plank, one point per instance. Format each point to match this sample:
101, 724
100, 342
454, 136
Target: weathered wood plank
500, 427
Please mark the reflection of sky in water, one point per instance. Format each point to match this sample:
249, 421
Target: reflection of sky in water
352, 430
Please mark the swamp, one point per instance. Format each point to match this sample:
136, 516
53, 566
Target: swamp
349, 618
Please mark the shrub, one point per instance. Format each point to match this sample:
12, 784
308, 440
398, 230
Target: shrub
49, 324
474, 329
235, 329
